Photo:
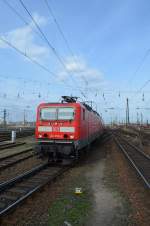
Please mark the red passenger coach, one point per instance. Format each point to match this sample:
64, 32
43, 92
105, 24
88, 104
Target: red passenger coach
64, 129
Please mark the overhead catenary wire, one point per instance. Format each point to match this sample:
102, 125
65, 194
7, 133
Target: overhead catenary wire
136, 71
15, 81
49, 44
27, 56
143, 86
58, 27
139, 65
25, 81
41, 32
26, 23
15, 11
20, 16
62, 34
32, 60
140, 89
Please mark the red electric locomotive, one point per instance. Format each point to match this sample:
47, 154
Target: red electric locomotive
64, 129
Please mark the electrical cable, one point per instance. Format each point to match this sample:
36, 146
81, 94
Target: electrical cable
32, 60
145, 84
62, 34
20, 16
49, 44
140, 65
27, 56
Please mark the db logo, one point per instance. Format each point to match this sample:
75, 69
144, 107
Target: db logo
55, 129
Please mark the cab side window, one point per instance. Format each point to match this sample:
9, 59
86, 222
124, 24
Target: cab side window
83, 114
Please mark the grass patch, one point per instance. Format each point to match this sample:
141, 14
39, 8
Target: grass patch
70, 207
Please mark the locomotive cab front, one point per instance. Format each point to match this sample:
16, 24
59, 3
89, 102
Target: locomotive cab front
57, 130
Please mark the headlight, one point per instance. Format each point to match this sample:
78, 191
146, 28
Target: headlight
71, 136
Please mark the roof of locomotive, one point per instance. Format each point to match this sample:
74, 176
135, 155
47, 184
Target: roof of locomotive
59, 104
69, 104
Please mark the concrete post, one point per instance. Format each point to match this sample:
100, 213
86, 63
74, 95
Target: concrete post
13, 136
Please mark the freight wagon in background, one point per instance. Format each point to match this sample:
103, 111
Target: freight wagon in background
64, 129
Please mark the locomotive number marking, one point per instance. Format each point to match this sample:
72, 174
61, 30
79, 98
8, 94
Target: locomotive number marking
56, 129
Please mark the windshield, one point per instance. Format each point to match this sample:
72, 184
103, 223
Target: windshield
53, 113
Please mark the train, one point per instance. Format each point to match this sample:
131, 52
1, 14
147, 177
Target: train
65, 128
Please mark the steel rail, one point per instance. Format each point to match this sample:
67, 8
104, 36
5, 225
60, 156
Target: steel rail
21, 177
15, 154
7, 135
106, 137
132, 161
5, 162
10, 145
48, 177
132, 145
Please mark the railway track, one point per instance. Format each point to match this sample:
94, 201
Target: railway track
13, 192
106, 137
139, 160
6, 135
10, 145
13, 159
